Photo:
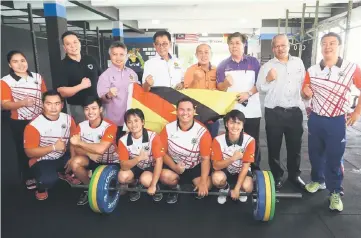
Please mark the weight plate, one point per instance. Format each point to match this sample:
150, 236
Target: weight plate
268, 196
273, 195
259, 205
92, 192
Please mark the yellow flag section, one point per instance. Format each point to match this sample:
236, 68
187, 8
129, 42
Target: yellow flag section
159, 108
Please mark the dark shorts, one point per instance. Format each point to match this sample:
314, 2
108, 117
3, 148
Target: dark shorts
93, 165
138, 171
232, 178
189, 174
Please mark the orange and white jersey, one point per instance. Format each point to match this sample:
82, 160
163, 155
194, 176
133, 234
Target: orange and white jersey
223, 149
42, 132
15, 88
129, 148
332, 87
186, 146
106, 131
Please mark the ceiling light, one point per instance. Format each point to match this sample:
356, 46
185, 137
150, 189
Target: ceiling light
204, 34
155, 22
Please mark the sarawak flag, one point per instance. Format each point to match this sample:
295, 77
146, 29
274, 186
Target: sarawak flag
159, 105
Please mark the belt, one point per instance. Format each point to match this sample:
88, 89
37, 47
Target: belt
286, 108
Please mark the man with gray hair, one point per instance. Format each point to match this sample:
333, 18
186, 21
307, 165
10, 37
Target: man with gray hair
281, 78
113, 86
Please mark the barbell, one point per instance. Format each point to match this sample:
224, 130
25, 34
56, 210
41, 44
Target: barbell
104, 191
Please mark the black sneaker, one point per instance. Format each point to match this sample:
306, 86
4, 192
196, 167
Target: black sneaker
173, 197
196, 195
83, 198
134, 196
30, 184
157, 196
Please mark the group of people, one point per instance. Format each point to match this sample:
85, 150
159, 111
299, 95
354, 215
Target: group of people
94, 130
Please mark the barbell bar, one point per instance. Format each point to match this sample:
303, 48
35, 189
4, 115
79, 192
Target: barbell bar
104, 191
142, 190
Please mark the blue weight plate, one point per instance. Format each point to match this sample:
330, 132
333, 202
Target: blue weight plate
259, 208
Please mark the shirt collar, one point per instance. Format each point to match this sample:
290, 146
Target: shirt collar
145, 138
244, 58
17, 78
112, 66
290, 57
338, 63
209, 67
178, 126
159, 57
239, 142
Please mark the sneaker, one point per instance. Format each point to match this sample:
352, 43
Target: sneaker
157, 196
336, 202
173, 197
243, 198
221, 198
41, 195
134, 196
83, 198
70, 179
313, 187
30, 184
196, 195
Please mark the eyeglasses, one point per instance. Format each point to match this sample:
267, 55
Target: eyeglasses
161, 44
280, 46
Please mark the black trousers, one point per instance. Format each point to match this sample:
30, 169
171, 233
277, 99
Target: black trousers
18, 127
288, 122
251, 127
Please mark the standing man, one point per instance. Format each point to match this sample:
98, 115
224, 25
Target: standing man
113, 86
163, 70
238, 73
281, 79
202, 75
327, 85
79, 76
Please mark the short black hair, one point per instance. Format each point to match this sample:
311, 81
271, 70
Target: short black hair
186, 100
68, 33
333, 34
11, 53
133, 112
91, 99
234, 115
162, 33
237, 34
117, 44
52, 92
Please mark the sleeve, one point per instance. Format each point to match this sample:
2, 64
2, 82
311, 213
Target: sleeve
256, 69
206, 144
72, 127
216, 150
248, 155
62, 77
77, 130
122, 151
31, 137
164, 138
357, 77
307, 80
110, 133
43, 85
157, 147
103, 85
303, 71
220, 73
146, 71
188, 77
6, 92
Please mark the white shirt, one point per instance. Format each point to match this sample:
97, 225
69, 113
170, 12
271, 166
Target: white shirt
165, 73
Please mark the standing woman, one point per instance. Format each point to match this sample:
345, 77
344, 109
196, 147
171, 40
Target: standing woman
21, 93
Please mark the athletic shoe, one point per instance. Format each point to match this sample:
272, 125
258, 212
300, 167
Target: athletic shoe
336, 202
157, 196
313, 187
221, 198
173, 197
134, 196
30, 184
83, 198
41, 195
243, 198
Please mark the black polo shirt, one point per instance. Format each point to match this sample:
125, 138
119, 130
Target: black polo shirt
72, 72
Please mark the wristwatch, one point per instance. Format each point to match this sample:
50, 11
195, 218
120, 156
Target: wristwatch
250, 93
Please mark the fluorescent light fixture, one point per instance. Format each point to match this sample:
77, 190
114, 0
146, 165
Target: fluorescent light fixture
204, 34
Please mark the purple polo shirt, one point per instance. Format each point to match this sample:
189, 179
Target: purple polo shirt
227, 65
116, 107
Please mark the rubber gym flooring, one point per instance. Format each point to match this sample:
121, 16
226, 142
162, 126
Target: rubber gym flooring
59, 216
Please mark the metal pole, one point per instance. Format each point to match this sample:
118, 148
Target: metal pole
85, 36
33, 37
104, 59
347, 32
279, 25
302, 32
286, 26
315, 36
99, 50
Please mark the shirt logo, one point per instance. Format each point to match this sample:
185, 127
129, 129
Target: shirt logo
110, 136
99, 136
90, 66
341, 73
194, 141
36, 82
146, 148
63, 126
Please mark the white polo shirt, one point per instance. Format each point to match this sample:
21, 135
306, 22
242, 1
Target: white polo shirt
165, 73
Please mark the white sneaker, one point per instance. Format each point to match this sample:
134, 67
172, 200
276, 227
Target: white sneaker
243, 198
222, 199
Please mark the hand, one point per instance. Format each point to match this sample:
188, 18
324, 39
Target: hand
149, 80
202, 189
179, 86
60, 145
237, 155
86, 83
143, 155
235, 193
113, 92
352, 118
151, 190
272, 75
75, 139
308, 91
241, 97
96, 158
181, 167
229, 80
27, 102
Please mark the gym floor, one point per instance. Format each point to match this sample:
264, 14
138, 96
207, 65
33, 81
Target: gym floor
59, 216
